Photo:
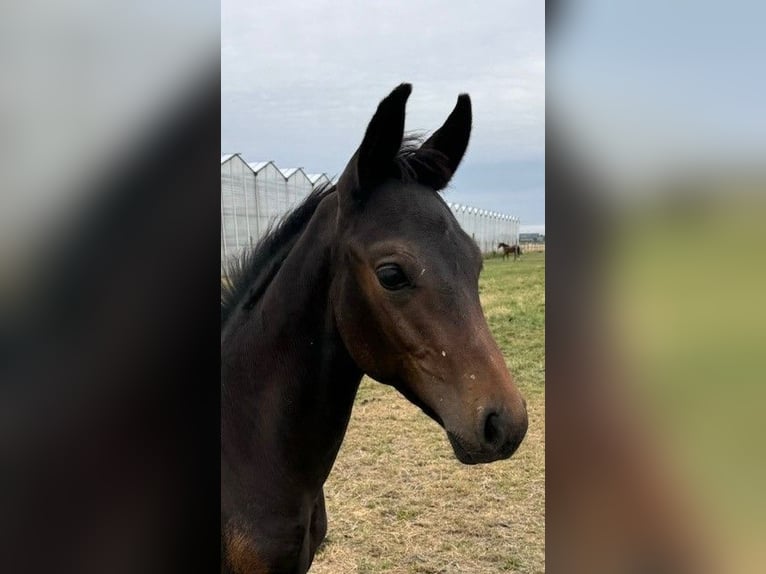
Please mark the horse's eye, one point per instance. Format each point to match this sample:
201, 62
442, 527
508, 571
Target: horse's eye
392, 277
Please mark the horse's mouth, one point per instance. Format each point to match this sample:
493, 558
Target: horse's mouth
467, 455
463, 451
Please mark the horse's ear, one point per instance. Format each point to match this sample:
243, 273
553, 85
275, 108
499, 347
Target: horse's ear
448, 143
374, 160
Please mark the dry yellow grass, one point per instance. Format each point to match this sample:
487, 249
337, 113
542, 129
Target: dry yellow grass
397, 499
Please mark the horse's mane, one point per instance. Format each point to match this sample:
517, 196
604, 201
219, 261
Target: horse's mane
413, 162
247, 275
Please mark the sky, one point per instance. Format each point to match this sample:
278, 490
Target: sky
301, 80
655, 90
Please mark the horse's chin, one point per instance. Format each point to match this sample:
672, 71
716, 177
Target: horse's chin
415, 400
469, 456
463, 452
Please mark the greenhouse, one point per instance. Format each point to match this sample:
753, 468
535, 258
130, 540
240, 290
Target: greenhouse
254, 195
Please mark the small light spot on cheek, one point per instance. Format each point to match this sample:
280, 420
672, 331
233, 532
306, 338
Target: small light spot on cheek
421, 273
444, 354
473, 377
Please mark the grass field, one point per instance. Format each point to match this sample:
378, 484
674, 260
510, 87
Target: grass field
399, 501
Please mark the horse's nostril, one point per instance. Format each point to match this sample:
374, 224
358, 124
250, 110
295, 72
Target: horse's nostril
493, 433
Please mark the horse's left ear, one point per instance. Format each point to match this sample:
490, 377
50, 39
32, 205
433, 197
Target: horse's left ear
450, 142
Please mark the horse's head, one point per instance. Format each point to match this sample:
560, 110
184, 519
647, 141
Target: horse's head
405, 289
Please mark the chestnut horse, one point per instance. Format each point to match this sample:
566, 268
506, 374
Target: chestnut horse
371, 276
508, 249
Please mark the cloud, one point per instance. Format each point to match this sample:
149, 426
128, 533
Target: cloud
300, 81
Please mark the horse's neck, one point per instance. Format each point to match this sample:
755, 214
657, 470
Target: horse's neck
294, 382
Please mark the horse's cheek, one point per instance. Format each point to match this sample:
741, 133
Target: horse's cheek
241, 557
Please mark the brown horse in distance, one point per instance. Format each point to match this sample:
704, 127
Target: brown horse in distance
508, 249
374, 276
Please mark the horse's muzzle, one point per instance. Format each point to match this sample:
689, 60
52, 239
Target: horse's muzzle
498, 437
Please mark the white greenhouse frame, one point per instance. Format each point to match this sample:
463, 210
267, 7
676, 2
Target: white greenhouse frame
255, 195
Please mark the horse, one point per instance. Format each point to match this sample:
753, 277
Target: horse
508, 249
372, 275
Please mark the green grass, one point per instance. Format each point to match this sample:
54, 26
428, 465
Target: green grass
513, 297
398, 500
687, 294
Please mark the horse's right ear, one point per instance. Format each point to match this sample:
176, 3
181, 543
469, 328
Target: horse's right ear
374, 160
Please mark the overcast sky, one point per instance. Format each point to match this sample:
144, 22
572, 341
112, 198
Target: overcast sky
300, 81
651, 91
